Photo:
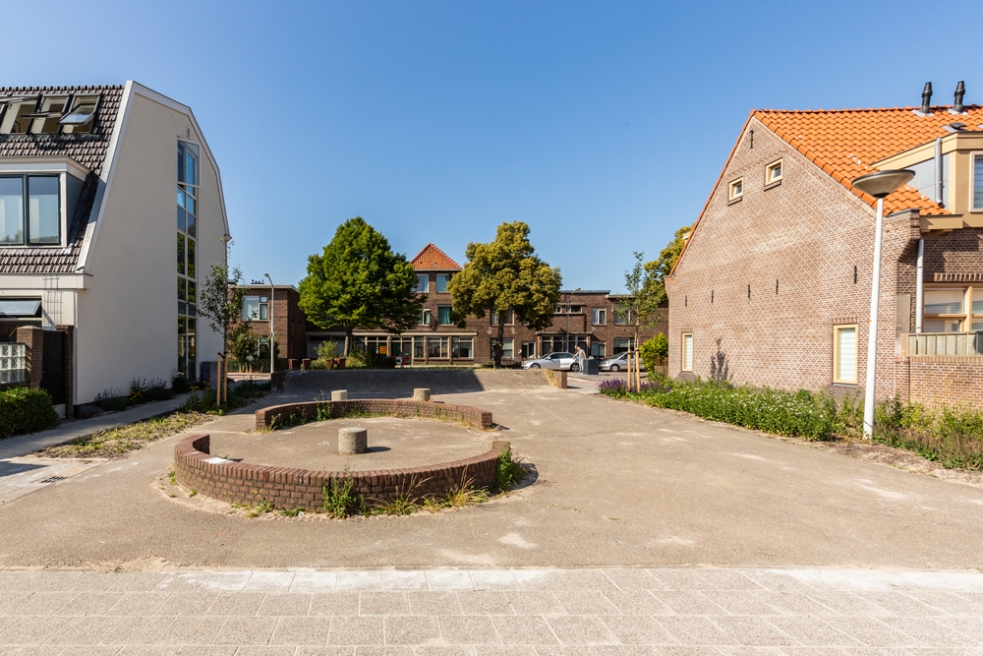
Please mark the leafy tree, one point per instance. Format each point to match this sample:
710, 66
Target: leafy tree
641, 305
358, 282
220, 298
657, 270
505, 275
654, 352
243, 344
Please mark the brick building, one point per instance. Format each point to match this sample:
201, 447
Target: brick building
773, 286
585, 318
289, 323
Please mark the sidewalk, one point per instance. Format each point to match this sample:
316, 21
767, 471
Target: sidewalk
69, 431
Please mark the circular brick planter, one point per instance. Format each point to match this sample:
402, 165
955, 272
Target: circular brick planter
284, 487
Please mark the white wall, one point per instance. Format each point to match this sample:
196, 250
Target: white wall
127, 317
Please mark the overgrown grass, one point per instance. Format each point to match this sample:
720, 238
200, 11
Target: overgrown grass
509, 470
240, 396
115, 442
953, 437
340, 500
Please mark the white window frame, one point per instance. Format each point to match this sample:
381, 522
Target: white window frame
836, 353
599, 313
682, 363
424, 317
732, 194
771, 167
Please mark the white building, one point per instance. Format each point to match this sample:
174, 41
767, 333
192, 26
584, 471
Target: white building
92, 242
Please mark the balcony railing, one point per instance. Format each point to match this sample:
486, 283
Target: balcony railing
13, 364
961, 344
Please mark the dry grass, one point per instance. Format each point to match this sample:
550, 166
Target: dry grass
117, 442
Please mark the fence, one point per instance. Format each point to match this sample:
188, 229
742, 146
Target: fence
966, 344
13, 364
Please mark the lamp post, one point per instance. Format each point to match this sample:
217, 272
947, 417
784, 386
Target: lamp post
270, 312
878, 185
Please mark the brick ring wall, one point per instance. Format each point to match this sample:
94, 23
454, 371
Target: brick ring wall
286, 487
390, 407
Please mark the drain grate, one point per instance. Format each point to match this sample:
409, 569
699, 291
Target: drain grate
53, 479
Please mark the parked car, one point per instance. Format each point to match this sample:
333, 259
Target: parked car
616, 363
560, 360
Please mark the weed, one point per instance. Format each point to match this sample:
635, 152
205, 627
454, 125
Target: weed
339, 498
508, 470
323, 412
115, 442
193, 493
464, 493
406, 501
261, 507
432, 504
291, 512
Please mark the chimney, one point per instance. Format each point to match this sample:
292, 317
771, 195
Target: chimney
958, 106
926, 107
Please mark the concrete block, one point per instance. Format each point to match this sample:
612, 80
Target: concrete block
339, 395
421, 394
353, 440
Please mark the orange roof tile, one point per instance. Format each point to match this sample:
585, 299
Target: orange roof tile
432, 257
845, 142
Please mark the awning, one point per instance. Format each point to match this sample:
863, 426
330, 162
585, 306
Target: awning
21, 307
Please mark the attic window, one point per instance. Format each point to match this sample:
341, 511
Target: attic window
735, 190
79, 117
14, 110
49, 114
773, 172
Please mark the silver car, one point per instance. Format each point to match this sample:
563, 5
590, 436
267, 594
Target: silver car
560, 360
617, 363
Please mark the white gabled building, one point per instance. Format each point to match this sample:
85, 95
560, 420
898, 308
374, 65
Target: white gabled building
111, 216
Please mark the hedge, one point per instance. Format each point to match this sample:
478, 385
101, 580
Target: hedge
25, 410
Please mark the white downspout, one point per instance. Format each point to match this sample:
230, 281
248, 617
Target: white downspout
919, 285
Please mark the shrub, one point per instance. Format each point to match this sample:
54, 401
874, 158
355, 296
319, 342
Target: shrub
359, 359
153, 390
180, 384
25, 410
508, 470
112, 400
654, 352
328, 349
319, 364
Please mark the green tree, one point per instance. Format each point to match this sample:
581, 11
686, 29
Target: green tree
654, 352
243, 344
641, 305
505, 275
657, 270
358, 282
220, 298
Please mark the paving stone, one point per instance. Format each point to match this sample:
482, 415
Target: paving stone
334, 603
494, 580
236, 603
187, 603
325, 651
695, 631
301, 631
265, 651
93, 582
899, 604
484, 603
400, 580
138, 603
9, 599
868, 631
90, 603
777, 581
633, 579
929, 632
31, 630
456, 650
285, 604
535, 603
523, 630
225, 581
384, 651
137, 630
576, 579
681, 579
449, 580
192, 631
274, 582
137, 582
637, 602
753, 632
358, 581
849, 604
311, 582
586, 602
581, 629
813, 632
467, 630
356, 631
425, 602
383, 603
793, 603
411, 630
689, 603
83, 631
187, 582
245, 631
48, 581
148, 650
89, 651
637, 630
512, 650
740, 602
42, 603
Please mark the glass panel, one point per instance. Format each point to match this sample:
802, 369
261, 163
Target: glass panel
192, 225
182, 356
436, 347
424, 318
180, 253
182, 289
192, 310
462, 347
44, 211
192, 296
250, 308
442, 279
444, 315
597, 349
180, 164
687, 353
418, 351
191, 165
507, 348
978, 182
11, 210
180, 197
182, 218
944, 301
977, 326
422, 280
189, 203
192, 349
846, 347
191, 258
264, 314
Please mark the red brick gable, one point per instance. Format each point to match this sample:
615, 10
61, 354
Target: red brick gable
432, 258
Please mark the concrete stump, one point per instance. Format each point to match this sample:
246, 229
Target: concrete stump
339, 395
421, 394
352, 441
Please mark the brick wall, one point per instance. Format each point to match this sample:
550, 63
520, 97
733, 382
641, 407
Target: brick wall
764, 280
33, 338
943, 380
239, 482
389, 407
288, 320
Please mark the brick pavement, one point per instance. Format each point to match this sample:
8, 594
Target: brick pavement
596, 612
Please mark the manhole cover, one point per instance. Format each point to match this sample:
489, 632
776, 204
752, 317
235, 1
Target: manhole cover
53, 479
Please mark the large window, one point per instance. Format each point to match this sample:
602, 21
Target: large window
687, 355
528, 349
597, 349
437, 347
444, 315
442, 280
30, 210
424, 318
187, 231
507, 347
422, 281
953, 309
977, 199
845, 354
505, 318
599, 317
622, 344
255, 308
463, 347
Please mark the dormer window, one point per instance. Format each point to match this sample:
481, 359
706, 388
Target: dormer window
30, 210
773, 172
735, 191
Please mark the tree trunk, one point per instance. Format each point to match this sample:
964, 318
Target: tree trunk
500, 345
349, 332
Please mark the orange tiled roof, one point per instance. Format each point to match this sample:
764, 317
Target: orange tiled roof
432, 257
845, 142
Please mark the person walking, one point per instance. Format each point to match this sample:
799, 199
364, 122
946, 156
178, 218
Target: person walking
580, 357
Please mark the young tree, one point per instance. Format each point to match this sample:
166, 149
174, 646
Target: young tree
243, 344
505, 275
640, 306
358, 282
220, 298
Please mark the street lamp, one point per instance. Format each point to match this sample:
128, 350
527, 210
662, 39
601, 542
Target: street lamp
270, 312
878, 185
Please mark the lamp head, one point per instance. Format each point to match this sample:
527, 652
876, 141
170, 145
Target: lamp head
883, 183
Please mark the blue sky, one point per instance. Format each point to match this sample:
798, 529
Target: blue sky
602, 125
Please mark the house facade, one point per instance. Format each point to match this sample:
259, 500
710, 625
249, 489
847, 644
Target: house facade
289, 323
111, 216
773, 286
585, 318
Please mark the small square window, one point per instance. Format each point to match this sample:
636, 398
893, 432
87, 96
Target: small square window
736, 190
773, 172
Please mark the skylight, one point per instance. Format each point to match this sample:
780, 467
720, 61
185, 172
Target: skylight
79, 117
49, 114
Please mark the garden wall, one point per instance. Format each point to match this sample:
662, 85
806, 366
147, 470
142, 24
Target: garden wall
389, 407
